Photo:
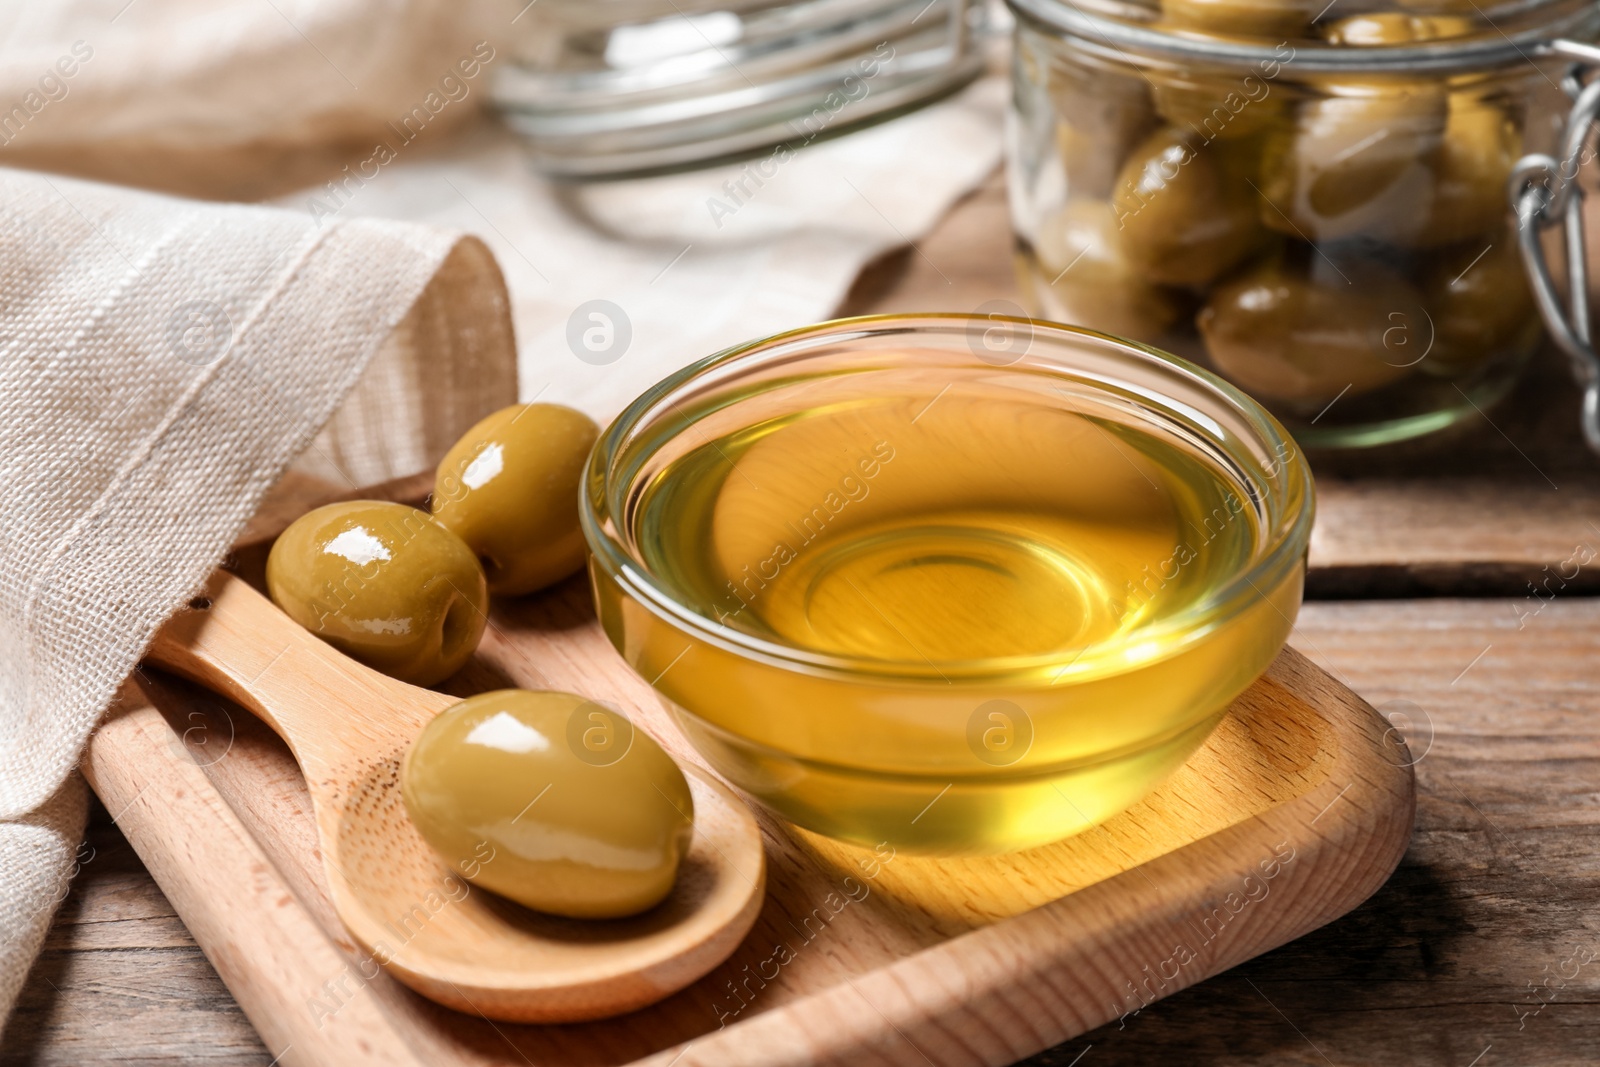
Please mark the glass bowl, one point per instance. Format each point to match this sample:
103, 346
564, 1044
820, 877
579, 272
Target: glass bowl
961, 584
625, 87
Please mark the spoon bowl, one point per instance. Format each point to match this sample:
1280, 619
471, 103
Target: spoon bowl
349, 728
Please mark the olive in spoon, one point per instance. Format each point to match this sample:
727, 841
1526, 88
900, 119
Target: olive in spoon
349, 728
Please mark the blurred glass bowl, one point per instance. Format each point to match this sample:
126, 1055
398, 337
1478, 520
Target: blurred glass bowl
604, 88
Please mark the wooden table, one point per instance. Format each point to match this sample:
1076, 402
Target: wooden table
1482, 950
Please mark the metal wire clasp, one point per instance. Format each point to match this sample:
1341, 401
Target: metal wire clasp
1545, 193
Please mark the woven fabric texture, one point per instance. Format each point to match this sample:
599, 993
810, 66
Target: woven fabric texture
162, 363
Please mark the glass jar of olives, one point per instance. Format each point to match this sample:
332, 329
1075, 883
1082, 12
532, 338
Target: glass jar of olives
1310, 198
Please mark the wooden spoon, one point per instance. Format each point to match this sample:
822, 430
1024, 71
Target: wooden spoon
349, 727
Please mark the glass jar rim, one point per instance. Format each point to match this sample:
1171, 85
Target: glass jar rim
1561, 36
792, 72
1284, 539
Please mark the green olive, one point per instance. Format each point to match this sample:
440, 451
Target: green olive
509, 489
1480, 304
552, 800
384, 584
1219, 108
1091, 283
1184, 216
1470, 171
1379, 28
1355, 162
1312, 331
1277, 19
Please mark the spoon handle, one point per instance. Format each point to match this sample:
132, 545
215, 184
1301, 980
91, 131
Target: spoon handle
326, 706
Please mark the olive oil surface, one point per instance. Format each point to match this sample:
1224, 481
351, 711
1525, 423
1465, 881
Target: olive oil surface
939, 529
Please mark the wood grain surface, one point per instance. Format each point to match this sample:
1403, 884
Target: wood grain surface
1296, 809
1475, 942
1480, 950
273, 946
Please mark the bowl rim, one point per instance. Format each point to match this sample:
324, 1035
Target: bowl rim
1283, 545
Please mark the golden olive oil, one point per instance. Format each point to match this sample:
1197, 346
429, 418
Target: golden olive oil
988, 590
978, 528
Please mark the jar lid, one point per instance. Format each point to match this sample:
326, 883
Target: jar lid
1407, 36
606, 89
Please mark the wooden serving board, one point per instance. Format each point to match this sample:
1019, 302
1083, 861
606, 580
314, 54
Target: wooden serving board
1295, 811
